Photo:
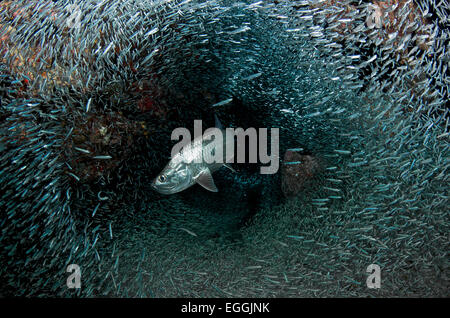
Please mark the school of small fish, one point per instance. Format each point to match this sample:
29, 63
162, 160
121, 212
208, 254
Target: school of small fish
361, 84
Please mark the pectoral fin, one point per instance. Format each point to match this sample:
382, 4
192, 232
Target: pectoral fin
206, 180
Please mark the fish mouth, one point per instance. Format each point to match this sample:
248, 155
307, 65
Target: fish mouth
159, 189
162, 191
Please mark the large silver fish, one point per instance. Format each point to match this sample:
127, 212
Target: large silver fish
194, 164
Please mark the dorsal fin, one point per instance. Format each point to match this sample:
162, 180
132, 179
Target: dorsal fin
218, 123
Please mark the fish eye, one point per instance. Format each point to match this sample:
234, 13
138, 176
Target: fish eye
162, 178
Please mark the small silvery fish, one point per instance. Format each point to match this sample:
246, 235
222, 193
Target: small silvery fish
224, 102
191, 165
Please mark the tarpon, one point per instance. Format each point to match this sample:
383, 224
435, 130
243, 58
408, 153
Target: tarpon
195, 163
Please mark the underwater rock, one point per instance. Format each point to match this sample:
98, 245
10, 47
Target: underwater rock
99, 143
298, 172
152, 98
